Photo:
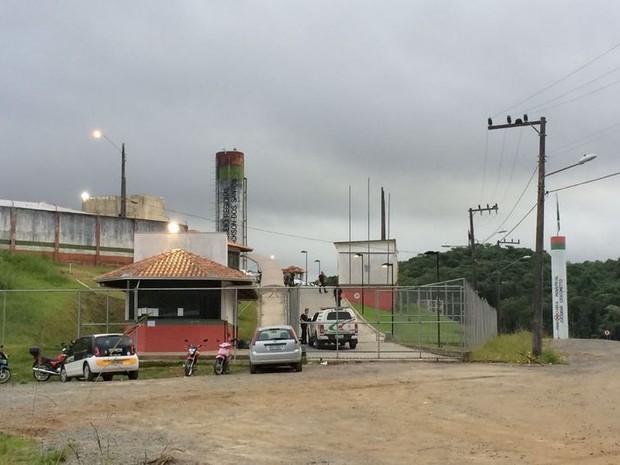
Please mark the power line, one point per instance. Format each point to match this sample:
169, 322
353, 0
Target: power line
585, 65
255, 229
543, 110
541, 107
584, 182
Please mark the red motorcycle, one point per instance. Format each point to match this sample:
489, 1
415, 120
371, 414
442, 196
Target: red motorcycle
192, 358
44, 367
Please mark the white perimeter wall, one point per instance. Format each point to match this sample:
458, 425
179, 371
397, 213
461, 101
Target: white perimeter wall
211, 245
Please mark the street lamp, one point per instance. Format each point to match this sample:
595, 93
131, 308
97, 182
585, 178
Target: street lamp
362, 257
436, 254
539, 265
499, 289
319, 262
305, 252
97, 134
390, 266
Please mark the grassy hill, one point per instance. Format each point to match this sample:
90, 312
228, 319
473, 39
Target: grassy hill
39, 299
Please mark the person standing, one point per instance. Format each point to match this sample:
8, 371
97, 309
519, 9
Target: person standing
322, 283
338, 295
303, 320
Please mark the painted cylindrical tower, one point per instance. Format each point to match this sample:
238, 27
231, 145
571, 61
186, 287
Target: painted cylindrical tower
230, 195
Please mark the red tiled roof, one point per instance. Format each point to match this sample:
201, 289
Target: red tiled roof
241, 247
173, 264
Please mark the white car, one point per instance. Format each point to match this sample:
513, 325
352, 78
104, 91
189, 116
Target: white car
275, 345
102, 355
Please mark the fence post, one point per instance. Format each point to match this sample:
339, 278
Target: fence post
79, 314
3, 315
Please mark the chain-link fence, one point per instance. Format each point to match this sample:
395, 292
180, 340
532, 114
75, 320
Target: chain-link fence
436, 321
441, 320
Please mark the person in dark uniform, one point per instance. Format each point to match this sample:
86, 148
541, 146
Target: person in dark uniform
303, 320
338, 295
322, 283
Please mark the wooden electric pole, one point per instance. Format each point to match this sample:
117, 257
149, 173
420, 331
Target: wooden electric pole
537, 297
472, 239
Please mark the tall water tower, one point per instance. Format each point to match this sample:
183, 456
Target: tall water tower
231, 196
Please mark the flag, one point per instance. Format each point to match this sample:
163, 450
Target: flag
557, 207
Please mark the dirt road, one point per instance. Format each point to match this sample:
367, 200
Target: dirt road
363, 413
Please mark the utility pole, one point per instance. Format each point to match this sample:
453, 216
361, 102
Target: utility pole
537, 296
123, 183
472, 239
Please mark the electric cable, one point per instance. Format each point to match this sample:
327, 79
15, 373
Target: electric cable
582, 183
553, 84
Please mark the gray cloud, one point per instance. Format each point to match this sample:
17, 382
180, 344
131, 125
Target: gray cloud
320, 96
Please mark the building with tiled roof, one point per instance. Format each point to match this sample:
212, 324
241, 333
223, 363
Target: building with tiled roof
187, 297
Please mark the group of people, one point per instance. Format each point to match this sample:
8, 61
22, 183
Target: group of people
323, 289
304, 319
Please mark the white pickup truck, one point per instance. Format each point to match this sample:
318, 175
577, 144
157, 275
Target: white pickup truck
333, 324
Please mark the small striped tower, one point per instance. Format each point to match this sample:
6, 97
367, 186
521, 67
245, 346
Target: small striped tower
559, 287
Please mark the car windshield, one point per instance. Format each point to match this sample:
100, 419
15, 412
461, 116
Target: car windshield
274, 334
339, 316
113, 344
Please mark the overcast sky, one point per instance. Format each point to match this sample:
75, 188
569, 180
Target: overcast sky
323, 97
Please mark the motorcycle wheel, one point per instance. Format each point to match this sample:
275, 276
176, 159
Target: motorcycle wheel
40, 375
189, 368
218, 368
5, 375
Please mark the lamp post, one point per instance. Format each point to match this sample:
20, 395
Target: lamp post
319, 262
537, 323
499, 290
436, 254
305, 252
362, 257
97, 134
390, 266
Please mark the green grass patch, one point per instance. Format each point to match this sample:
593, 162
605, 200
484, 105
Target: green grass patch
247, 319
414, 326
514, 348
16, 450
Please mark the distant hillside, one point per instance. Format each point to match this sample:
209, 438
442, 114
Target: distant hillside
593, 287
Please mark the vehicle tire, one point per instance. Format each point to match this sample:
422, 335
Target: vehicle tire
352, 344
252, 369
132, 375
107, 376
40, 375
5, 375
218, 367
188, 367
88, 374
298, 366
63, 375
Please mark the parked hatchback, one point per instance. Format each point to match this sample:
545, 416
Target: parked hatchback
275, 345
102, 355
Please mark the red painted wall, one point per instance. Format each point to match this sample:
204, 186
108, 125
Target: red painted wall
374, 297
171, 338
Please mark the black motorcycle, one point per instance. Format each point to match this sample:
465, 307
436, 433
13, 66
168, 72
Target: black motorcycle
5, 371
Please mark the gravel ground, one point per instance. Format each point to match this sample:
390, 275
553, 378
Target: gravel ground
385, 412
